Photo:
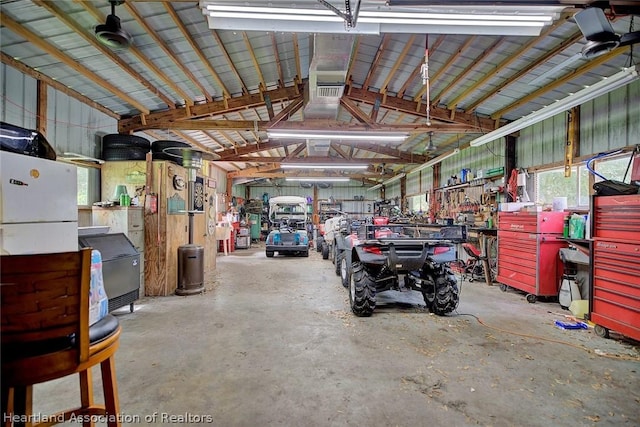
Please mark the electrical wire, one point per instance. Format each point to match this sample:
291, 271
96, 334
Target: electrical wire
599, 156
552, 340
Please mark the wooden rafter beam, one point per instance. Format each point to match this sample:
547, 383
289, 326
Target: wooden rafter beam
236, 152
296, 53
462, 76
314, 160
195, 143
230, 63
70, 62
376, 60
400, 60
288, 111
416, 70
307, 125
356, 112
504, 65
594, 63
354, 54
410, 107
196, 49
276, 56
401, 156
299, 149
515, 77
338, 149
446, 67
254, 60
244, 102
165, 48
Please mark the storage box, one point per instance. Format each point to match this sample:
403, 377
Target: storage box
243, 242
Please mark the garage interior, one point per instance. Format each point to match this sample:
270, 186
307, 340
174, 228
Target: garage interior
182, 119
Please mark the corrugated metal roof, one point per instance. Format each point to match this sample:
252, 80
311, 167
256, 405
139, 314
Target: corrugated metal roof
245, 60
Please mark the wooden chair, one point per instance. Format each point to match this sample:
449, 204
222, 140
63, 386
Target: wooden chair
46, 335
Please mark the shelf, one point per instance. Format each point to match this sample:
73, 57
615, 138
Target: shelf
477, 182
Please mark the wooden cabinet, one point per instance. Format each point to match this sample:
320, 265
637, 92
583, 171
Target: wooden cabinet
615, 293
528, 245
127, 220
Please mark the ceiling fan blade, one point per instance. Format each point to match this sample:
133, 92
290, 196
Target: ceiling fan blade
630, 38
594, 25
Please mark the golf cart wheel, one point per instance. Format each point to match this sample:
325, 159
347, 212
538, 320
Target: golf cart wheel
531, 298
601, 331
503, 287
269, 254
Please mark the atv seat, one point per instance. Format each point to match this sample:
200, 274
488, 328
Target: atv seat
474, 265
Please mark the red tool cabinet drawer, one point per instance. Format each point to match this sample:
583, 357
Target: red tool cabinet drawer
616, 217
529, 262
531, 222
616, 286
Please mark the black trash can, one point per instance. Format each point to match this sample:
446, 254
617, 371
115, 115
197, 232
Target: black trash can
190, 270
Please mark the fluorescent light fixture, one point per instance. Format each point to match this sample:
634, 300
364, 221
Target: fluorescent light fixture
394, 179
603, 87
317, 166
319, 179
375, 187
344, 136
522, 21
435, 160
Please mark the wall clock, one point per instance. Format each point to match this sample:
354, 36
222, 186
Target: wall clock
179, 182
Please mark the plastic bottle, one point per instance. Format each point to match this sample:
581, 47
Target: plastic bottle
565, 228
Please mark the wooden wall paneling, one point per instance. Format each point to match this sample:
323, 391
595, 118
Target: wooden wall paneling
41, 111
176, 226
122, 173
155, 273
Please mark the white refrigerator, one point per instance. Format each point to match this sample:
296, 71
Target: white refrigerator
38, 205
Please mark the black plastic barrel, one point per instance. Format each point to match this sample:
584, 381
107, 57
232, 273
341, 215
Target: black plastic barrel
190, 270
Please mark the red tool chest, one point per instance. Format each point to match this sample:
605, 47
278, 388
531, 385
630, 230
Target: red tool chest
528, 245
615, 297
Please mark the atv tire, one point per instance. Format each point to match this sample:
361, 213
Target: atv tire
446, 297
336, 259
362, 291
319, 242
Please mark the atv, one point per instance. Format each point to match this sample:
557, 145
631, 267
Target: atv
402, 257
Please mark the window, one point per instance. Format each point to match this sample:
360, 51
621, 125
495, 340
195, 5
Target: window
83, 186
88, 179
417, 204
552, 183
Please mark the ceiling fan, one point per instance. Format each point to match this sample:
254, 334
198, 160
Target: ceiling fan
601, 38
111, 33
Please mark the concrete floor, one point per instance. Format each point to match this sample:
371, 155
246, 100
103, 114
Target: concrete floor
273, 342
